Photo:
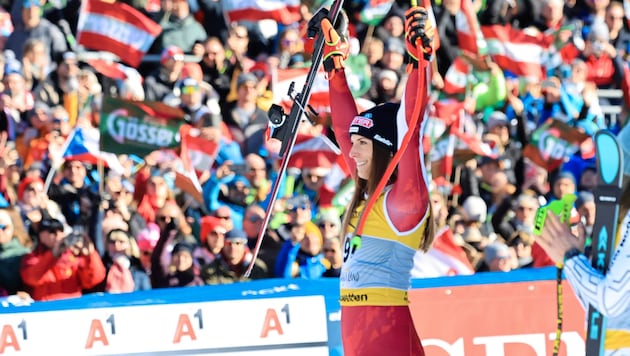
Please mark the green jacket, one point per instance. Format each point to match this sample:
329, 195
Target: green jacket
10, 259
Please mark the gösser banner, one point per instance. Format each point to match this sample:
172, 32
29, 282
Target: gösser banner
491, 314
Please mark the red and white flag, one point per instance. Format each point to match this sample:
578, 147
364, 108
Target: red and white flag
456, 78
334, 182
313, 151
446, 258
197, 152
516, 51
469, 36
282, 11
281, 82
117, 28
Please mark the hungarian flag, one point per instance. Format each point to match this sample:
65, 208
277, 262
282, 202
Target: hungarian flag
446, 258
514, 50
375, 11
139, 127
117, 28
313, 151
469, 36
83, 145
552, 142
456, 78
197, 152
281, 82
285, 12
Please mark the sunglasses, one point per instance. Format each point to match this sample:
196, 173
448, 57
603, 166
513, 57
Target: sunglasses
302, 207
326, 250
165, 218
326, 224
189, 89
254, 218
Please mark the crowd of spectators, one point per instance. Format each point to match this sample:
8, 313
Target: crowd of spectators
68, 227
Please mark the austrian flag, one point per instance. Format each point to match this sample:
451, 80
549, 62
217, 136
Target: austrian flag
282, 11
117, 28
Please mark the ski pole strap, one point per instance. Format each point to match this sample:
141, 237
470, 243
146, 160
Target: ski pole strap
394, 162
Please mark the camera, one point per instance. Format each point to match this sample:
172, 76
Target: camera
172, 225
73, 238
239, 169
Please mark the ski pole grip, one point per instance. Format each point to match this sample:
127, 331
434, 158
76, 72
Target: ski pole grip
561, 207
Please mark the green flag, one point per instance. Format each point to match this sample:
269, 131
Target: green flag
139, 127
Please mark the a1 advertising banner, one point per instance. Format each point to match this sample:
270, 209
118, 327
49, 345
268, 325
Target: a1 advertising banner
139, 127
496, 314
270, 317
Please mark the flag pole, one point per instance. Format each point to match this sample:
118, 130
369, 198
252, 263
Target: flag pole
53, 167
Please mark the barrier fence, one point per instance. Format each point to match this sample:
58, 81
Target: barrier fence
484, 314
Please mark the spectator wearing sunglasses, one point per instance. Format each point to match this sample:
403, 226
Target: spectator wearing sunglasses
333, 253
233, 261
125, 272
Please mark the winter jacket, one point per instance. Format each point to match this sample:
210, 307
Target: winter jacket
48, 277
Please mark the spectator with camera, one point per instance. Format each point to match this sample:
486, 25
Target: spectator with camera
124, 271
61, 266
34, 206
174, 229
228, 187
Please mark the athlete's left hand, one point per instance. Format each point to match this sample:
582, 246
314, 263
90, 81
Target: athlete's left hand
556, 238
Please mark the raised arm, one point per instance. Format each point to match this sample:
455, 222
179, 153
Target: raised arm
408, 200
342, 105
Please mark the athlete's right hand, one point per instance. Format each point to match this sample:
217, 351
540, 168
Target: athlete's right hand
335, 48
419, 32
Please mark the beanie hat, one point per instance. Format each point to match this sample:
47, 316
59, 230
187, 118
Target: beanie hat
25, 183
183, 247
209, 224
379, 125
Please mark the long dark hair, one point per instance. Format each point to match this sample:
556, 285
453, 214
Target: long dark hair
381, 157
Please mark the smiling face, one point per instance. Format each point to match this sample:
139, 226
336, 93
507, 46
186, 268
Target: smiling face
362, 153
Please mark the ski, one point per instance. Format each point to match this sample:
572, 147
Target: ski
284, 127
607, 195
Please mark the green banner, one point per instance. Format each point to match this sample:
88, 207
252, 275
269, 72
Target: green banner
139, 127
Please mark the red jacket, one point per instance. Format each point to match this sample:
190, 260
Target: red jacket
51, 278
